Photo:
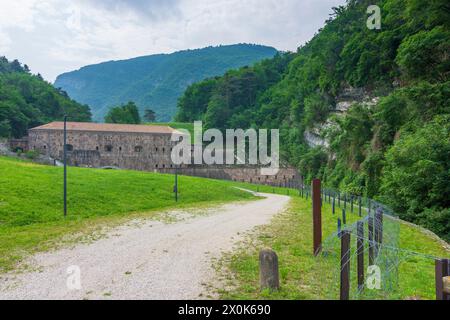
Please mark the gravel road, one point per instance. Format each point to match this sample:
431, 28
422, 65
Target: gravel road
144, 259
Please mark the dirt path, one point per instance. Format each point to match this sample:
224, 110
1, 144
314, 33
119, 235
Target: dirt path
150, 261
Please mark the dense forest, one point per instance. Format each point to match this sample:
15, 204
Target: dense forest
26, 101
154, 82
376, 102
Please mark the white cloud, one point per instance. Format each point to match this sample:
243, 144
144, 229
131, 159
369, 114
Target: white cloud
54, 36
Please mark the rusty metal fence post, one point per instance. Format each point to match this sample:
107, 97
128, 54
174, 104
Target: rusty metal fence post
360, 254
371, 241
345, 266
317, 216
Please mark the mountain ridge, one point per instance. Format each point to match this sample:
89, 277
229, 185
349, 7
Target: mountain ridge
154, 81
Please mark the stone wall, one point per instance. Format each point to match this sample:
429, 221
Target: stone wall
138, 151
18, 144
251, 174
141, 151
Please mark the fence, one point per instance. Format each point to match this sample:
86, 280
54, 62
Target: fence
364, 252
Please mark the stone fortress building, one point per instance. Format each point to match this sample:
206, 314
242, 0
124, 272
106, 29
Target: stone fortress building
98, 145
136, 147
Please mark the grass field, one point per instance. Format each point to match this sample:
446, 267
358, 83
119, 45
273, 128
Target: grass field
31, 220
31, 207
303, 276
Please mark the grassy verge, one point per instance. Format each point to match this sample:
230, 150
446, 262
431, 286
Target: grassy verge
31, 217
304, 277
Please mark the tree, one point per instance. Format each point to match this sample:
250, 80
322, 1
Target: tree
425, 55
28, 101
417, 173
125, 114
150, 115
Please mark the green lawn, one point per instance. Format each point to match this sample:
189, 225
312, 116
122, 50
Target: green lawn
31, 220
31, 210
303, 276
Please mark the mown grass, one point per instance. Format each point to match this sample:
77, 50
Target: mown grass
31, 202
303, 276
31, 220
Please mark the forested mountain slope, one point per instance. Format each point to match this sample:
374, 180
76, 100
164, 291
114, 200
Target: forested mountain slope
157, 81
26, 101
366, 110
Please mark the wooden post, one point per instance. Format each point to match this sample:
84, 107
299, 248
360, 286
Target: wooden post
442, 271
378, 230
381, 220
360, 209
317, 216
339, 199
351, 203
344, 217
334, 205
268, 270
371, 244
360, 254
376, 233
345, 266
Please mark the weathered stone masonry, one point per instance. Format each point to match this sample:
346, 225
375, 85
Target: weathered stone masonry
98, 145
136, 147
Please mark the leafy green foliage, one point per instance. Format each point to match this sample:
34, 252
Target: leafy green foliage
424, 55
149, 115
417, 175
125, 114
26, 101
405, 66
155, 81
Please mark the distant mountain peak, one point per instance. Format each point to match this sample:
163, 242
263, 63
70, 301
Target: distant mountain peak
155, 81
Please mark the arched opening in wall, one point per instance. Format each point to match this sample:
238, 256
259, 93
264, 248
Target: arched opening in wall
164, 150
96, 148
138, 149
109, 148
45, 147
164, 166
156, 166
156, 149
69, 147
120, 148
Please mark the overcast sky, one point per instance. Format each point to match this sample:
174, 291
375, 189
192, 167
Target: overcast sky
56, 36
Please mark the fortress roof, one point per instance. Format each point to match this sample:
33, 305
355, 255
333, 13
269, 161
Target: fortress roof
107, 127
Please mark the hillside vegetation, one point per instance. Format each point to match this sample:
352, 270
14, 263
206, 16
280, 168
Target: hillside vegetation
157, 81
26, 101
31, 201
375, 101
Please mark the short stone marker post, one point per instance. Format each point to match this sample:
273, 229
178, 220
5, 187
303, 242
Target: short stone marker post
443, 279
446, 288
268, 270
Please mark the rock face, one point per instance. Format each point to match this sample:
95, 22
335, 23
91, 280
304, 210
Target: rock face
315, 140
316, 136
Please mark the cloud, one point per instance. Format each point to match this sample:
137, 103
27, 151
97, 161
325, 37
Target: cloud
55, 36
